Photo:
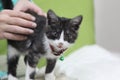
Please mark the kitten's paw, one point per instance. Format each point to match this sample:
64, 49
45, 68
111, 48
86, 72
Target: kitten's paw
10, 77
49, 76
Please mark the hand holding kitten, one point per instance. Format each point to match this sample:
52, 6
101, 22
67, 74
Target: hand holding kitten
15, 23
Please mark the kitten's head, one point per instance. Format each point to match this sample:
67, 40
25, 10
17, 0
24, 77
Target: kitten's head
62, 32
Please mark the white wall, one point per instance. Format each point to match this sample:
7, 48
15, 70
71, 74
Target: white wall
107, 24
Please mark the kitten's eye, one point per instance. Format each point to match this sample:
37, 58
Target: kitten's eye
76, 27
70, 36
51, 22
55, 22
54, 33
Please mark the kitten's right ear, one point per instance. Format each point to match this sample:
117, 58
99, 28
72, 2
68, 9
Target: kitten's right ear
77, 20
51, 15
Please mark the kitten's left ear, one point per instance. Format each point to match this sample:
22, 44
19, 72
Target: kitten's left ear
51, 15
76, 21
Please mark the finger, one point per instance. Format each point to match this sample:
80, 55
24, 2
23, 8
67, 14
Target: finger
36, 9
20, 14
18, 30
21, 22
12, 36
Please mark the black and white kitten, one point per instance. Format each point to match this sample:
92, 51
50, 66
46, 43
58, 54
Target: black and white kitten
52, 36
49, 40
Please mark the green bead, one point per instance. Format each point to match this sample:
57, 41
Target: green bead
61, 58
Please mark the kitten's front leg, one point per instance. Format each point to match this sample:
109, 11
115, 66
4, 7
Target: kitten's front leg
30, 72
49, 74
12, 61
32, 61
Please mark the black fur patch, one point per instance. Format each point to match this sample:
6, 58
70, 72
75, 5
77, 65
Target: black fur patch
7, 4
32, 75
50, 65
12, 65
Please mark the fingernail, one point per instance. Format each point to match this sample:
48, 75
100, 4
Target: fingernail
33, 18
45, 15
34, 24
31, 31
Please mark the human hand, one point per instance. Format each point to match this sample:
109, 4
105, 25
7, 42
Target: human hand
15, 24
24, 5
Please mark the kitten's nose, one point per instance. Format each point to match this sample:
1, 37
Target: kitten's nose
60, 45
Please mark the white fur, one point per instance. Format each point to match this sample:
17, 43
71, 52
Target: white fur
50, 76
10, 77
12, 51
29, 70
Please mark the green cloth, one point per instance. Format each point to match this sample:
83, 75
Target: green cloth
3, 75
1, 6
14, 1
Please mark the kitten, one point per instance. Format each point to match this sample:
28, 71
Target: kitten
52, 36
49, 40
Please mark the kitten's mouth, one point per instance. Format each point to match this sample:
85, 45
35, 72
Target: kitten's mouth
57, 53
